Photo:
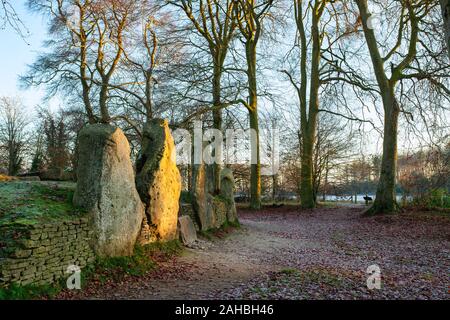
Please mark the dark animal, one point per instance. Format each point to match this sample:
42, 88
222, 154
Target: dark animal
368, 199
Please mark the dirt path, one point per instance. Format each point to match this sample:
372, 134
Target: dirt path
288, 254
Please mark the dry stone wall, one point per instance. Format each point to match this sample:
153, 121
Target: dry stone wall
41, 254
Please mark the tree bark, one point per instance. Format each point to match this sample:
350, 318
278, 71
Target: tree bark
255, 176
306, 182
445, 5
217, 118
14, 159
255, 172
105, 118
149, 94
385, 201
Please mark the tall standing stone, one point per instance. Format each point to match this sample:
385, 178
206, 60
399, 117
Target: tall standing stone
199, 197
106, 188
187, 230
212, 211
158, 182
227, 193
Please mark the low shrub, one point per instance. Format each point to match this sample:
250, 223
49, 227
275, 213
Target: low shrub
436, 198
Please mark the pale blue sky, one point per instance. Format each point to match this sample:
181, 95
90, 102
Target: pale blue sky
17, 53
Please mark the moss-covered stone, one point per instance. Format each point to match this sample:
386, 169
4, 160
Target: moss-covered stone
106, 189
227, 194
212, 211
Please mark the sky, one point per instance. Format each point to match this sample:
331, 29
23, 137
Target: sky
17, 53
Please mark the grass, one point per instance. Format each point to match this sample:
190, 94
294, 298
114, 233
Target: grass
25, 204
143, 261
322, 276
29, 292
290, 271
29, 203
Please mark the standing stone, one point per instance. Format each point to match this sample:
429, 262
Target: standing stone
186, 209
187, 230
106, 188
219, 212
213, 211
202, 201
209, 178
227, 193
158, 182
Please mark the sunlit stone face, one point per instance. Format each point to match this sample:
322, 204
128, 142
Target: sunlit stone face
159, 183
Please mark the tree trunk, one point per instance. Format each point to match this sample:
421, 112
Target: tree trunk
11, 164
217, 121
255, 177
274, 190
103, 101
83, 69
149, 94
14, 160
324, 196
309, 125
87, 104
445, 5
385, 201
306, 184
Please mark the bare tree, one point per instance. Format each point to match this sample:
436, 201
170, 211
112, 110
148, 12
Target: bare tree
401, 66
87, 47
309, 106
424, 171
250, 15
333, 145
56, 143
13, 135
214, 21
10, 18
317, 68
